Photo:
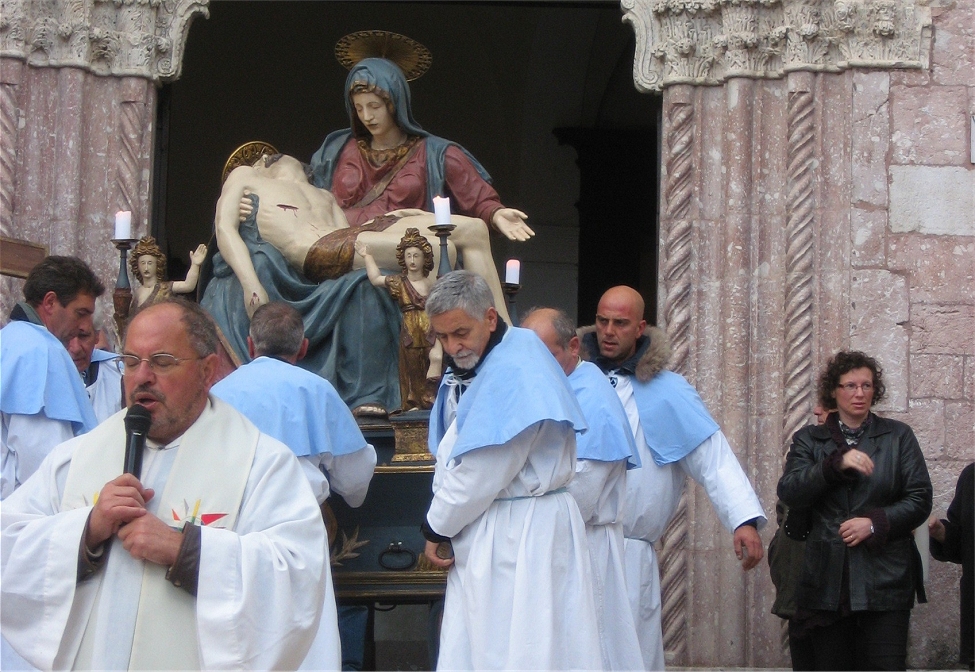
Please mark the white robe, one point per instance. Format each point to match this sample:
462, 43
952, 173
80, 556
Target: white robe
261, 585
600, 490
652, 496
349, 475
25, 442
106, 392
519, 595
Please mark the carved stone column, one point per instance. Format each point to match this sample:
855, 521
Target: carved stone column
738, 254
677, 229
77, 109
10, 76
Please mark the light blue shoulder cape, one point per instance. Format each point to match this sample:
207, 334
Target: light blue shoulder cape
301, 410
609, 438
674, 418
518, 384
102, 355
37, 375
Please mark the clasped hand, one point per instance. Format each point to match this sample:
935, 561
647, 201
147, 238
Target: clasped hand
855, 530
857, 460
121, 511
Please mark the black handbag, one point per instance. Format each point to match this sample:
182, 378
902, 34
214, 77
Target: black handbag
798, 520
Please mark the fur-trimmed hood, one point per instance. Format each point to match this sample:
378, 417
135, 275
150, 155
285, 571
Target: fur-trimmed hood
653, 350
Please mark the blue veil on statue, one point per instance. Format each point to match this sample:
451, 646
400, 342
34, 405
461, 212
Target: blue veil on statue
383, 74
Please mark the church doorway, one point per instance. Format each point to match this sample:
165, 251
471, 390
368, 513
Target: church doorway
540, 92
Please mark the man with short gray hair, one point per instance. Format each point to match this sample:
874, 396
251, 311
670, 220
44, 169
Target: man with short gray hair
302, 410
299, 408
519, 589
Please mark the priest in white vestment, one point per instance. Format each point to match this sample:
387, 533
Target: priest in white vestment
519, 587
675, 438
213, 558
604, 454
303, 411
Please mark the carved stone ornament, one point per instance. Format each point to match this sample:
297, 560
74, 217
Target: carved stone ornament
710, 41
123, 38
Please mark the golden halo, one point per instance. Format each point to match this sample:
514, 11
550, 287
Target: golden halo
246, 155
412, 57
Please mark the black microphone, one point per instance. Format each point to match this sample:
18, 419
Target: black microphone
137, 423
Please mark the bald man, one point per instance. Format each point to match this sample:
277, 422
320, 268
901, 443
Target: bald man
675, 437
603, 455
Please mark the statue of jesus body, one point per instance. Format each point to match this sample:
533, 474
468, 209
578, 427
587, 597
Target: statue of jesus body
295, 217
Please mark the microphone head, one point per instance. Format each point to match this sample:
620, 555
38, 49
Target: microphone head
138, 419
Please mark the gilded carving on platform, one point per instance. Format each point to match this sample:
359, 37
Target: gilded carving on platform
709, 41
139, 38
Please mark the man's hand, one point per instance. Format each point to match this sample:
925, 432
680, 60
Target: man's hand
858, 460
748, 546
148, 538
120, 501
936, 529
430, 551
511, 223
855, 530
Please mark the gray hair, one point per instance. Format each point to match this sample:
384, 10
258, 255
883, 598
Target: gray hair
277, 330
562, 324
200, 327
460, 289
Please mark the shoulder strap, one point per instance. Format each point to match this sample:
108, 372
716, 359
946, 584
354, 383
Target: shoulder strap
380, 187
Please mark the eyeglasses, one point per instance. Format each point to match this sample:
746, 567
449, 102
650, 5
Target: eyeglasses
160, 363
853, 387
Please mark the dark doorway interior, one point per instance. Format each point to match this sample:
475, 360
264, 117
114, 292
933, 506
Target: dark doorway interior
505, 75
617, 213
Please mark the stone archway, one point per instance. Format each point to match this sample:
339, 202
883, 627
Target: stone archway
77, 108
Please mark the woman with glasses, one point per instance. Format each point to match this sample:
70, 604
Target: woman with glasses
864, 482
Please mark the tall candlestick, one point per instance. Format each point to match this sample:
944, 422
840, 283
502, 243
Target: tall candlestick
123, 225
441, 209
512, 272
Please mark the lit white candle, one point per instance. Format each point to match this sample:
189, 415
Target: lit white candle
512, 272
441, 208
123, 225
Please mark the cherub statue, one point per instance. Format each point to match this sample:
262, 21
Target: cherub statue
148, 264
420, 354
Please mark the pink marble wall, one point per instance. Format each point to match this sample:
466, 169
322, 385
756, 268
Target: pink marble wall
876, 201
75, 148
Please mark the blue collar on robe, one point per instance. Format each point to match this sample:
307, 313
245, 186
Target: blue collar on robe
102, 355
387, 76
298, 408
609, 438
675, 420
518, 384
37, 375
